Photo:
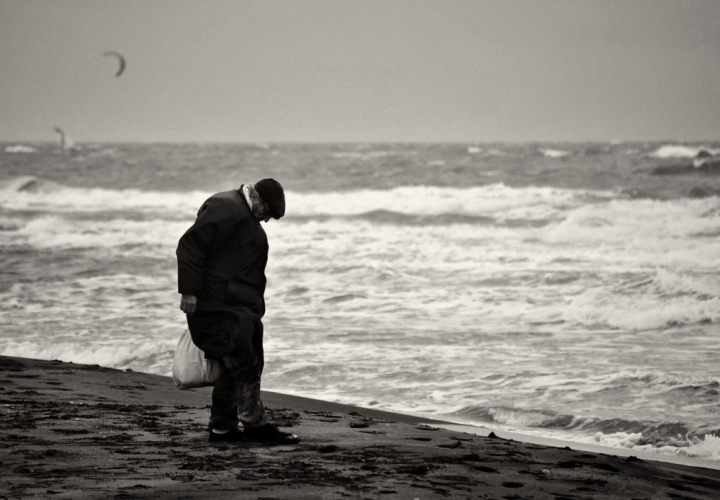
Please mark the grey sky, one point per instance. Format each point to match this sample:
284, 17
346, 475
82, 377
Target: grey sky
387, 70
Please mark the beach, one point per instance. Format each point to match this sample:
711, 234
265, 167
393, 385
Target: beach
85, 431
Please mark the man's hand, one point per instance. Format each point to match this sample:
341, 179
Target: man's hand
188, 304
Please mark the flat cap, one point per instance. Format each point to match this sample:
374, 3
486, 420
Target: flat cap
273, 195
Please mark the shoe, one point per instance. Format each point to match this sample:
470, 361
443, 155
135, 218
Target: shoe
268, 433
232, 436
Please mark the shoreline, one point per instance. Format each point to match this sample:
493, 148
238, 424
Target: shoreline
84, 431
590, 447
479, 430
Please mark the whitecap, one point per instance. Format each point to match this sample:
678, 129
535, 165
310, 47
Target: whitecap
678, 151
20, 148
554, 153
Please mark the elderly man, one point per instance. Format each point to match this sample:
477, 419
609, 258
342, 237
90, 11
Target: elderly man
221, 276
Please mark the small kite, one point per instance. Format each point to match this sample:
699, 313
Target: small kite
121, 59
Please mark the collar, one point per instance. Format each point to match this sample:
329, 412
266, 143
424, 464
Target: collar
246, 195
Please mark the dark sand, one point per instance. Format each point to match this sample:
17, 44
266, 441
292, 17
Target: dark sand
79, 431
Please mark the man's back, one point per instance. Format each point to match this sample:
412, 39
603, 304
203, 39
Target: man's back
222, 257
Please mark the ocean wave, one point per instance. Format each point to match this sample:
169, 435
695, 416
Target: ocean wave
666, 299
651, 432
554, 153
20, 148
496, 200
663, 437
397, 218
626, 222
371, 155
706, 446
33, 193
137, 356
580, 215
656, 378
645, 310
139, 238
516, 417
668, 283
679, 151
24, 183
641, 313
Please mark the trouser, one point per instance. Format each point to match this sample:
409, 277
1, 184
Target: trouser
236, 396
234, 338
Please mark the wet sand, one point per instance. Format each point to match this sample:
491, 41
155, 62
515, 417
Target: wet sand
80, 431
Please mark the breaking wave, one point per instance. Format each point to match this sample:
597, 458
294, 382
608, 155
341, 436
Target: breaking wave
660, 437
677, 151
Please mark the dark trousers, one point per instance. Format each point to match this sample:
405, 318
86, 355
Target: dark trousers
236, 395
234, 338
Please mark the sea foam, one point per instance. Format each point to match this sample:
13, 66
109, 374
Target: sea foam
139, 356
31, 193
496, 199
679, 151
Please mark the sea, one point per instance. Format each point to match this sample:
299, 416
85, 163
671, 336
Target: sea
565, 290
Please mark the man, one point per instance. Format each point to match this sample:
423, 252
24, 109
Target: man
221, 276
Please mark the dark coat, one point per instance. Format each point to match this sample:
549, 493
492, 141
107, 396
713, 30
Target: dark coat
221, 260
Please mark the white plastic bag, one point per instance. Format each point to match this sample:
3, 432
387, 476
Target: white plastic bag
190, 368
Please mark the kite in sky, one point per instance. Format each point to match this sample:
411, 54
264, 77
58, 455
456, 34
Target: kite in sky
121, 59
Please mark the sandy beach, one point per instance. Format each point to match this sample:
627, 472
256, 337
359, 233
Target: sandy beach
82, 431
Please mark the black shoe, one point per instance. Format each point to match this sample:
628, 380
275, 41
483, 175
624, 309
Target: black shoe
232, 436
268, 433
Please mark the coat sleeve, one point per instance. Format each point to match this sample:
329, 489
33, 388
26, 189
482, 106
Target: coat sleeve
214, 224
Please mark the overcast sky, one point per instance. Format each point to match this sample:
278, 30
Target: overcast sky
386, 70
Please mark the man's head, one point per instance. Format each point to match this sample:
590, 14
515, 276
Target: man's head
271, 199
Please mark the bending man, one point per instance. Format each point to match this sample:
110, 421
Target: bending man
221, 276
